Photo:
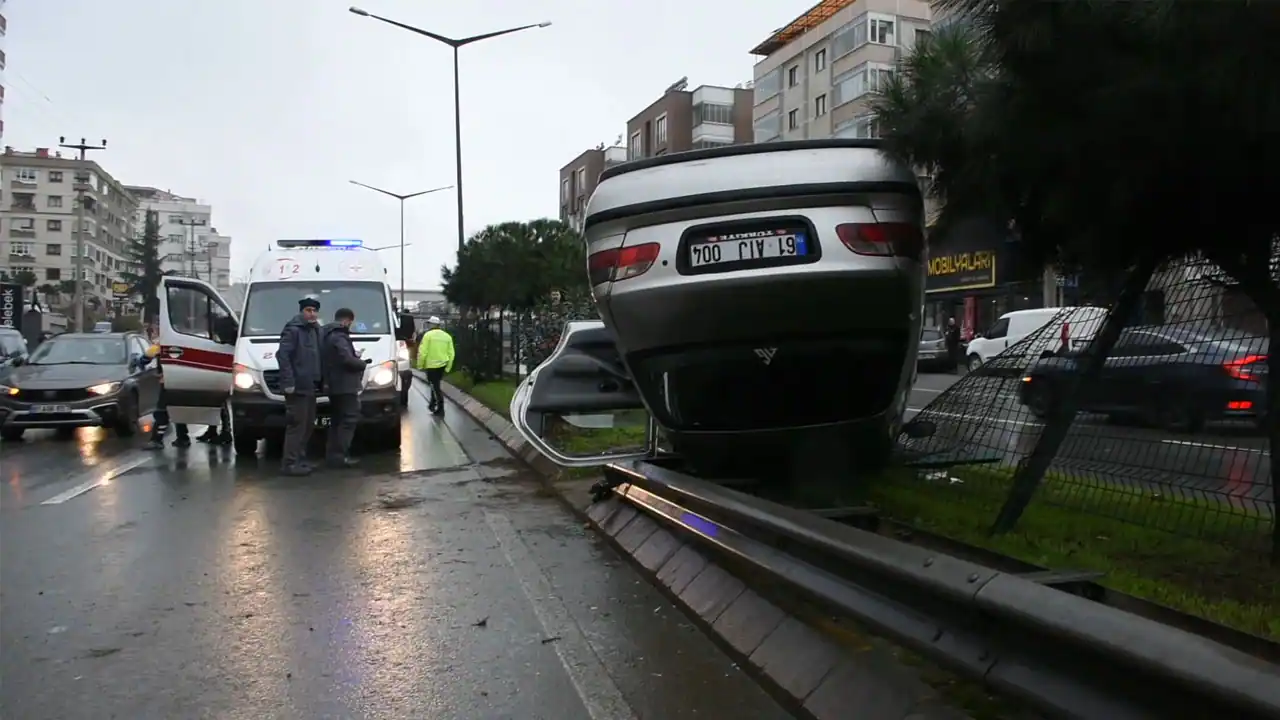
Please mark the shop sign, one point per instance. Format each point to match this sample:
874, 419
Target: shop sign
961, 271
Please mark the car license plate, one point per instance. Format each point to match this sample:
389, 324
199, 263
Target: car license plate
50, 409
747, 246
323, 422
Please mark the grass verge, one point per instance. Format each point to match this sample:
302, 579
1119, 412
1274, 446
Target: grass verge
1223, 574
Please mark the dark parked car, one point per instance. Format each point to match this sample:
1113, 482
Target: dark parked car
79, 380
1174, 378
12, 346
933, 355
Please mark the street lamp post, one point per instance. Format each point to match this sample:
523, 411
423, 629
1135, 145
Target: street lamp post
401, 198
455, 44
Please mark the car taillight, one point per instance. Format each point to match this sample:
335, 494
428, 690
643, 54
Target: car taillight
622, 263
1249, 368
883, 239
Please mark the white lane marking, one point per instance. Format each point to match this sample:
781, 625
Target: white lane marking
1211, 446
97, 478
1186, 443
962, 416
599, 695
928, 390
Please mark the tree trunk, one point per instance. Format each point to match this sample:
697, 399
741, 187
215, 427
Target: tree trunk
1031, 469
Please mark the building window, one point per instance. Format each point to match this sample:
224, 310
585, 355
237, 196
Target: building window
53, 274
712, 113
55, 201
660, 130
582, 181
849, 38
820, 60
53, 249
768, 127
869, 77
176, 220
820, 106
19, 269
24, 224
793, 119
923, 36
881, 31
26, 175
862, 127
55, 176
634, 151
53, 225
564, 190
793, 76
768, 85
20, 248
708, 144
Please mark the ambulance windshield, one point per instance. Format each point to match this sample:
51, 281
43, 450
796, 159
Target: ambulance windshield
272, 304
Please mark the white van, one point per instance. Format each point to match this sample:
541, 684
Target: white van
1013, 327
204, 364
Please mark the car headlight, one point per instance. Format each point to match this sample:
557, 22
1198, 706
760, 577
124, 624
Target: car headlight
243, 379
6, 390
384, 375
104, 388
402, 350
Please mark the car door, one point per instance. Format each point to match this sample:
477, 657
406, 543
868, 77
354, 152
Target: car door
578, 397
146, 378
196, 363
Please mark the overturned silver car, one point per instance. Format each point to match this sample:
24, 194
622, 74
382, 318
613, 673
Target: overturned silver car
760, 302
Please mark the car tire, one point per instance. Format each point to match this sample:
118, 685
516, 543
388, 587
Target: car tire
973, 363
11, 434
1179, 419
127, 422
1040, 399
245, 443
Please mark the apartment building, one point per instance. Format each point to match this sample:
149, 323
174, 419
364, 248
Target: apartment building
4, 30
38, 232
816, 75
578, 180
708, 116
190, 245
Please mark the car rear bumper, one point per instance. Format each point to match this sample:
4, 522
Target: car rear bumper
95, 412
257, 412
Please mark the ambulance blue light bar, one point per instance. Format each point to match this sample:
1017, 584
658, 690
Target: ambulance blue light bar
320, 243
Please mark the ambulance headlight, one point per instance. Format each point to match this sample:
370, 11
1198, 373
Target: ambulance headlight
383, 376
243, 379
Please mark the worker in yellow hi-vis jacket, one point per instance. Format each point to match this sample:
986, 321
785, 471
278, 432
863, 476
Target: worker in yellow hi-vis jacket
435, 357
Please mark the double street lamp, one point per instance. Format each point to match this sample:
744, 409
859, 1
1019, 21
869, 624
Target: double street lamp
401, 198
454, 43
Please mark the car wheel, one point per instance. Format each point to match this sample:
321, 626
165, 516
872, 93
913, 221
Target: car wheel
127, 423
245, 443
974, 363
1040, 400
1179, 419
11, 434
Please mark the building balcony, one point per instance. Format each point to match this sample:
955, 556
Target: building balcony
713, 131
22, 185
21, 233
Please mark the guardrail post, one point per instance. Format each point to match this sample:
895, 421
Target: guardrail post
1031, 469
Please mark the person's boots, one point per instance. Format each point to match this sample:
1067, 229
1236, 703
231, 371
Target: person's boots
182, 441
208, 436
299, 470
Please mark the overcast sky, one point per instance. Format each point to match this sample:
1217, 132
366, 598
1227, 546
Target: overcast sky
266, 108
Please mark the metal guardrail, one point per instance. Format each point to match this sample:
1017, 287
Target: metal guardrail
1062, 653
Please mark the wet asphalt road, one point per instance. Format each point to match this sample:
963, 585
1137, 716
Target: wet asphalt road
1224, 460
433, 584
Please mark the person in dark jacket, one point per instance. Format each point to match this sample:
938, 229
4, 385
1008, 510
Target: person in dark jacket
300, 378
343, 379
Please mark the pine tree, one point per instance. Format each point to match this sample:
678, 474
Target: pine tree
144, 277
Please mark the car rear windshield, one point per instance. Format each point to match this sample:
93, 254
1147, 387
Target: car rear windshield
80, 351
271, 305
928, 335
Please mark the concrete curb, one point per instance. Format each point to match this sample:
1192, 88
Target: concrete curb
830, 680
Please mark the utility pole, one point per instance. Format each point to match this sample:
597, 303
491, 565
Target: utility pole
81, 188
191, 224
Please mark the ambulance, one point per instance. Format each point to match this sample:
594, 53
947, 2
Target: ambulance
205, 366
